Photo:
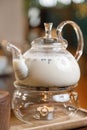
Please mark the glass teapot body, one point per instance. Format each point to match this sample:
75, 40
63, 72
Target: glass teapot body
50, 66
48, 63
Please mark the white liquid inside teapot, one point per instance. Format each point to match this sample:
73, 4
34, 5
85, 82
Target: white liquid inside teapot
61, 70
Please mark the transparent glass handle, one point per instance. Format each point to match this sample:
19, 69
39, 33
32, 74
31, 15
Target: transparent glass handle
79, 35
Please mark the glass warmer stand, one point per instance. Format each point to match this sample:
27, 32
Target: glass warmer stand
44, 103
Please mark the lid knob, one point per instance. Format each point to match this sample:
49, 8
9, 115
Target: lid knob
48, 28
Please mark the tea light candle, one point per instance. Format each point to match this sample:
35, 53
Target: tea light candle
4, 110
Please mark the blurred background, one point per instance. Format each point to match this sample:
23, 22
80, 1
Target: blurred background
21, 21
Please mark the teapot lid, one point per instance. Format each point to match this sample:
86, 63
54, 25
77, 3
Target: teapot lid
48, 39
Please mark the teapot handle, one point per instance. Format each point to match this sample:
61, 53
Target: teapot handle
79, 35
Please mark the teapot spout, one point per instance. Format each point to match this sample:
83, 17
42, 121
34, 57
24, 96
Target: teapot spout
19, 65
16, 52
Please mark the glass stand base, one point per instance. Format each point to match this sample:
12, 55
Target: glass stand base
34, 105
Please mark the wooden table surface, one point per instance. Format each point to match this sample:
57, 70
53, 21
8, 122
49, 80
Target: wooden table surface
77, 122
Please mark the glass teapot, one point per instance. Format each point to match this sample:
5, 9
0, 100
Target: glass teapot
45, 77
47, 63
